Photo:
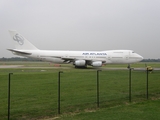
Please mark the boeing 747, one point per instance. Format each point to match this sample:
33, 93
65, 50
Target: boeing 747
78, 58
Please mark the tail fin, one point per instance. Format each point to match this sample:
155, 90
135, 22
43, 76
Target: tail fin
20, 42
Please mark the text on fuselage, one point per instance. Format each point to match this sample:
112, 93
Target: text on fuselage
94, 53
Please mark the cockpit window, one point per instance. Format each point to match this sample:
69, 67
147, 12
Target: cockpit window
132, 51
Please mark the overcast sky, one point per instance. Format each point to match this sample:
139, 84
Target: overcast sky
83, 25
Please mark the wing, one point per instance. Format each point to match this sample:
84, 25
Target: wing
88, 61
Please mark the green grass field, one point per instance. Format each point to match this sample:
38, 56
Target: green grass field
34, 93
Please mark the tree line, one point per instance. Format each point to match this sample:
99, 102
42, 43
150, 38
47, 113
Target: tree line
18, 59
31, 59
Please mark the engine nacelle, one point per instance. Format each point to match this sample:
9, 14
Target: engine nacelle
80, 63
97, 64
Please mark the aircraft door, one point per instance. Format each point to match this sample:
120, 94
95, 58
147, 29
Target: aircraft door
127, 56
109, 57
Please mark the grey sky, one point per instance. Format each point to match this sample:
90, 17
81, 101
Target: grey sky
83, 25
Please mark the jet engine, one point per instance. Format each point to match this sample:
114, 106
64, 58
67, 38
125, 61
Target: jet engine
80, 63
97, 64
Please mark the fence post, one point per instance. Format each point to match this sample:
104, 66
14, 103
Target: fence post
9, 95
130, 84
59, 91
147, 85
98, 88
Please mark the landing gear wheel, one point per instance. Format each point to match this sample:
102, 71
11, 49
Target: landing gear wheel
128, 66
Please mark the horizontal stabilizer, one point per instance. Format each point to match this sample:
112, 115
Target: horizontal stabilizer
19, 52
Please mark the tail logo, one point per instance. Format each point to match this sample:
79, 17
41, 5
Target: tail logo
19, 39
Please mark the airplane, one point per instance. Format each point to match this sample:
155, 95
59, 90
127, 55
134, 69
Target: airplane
78, 58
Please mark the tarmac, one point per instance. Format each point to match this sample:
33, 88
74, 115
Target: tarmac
101, 68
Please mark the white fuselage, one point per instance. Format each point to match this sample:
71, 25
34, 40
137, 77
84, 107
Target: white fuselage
78, 58
108, 57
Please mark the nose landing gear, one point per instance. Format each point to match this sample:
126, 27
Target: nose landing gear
128, 66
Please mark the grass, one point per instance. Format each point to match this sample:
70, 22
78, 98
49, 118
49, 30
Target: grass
47, 64
137, 111
34, 93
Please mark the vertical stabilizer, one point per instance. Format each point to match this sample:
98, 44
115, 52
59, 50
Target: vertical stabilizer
20, 42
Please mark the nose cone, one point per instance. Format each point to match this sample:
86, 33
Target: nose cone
140, 57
